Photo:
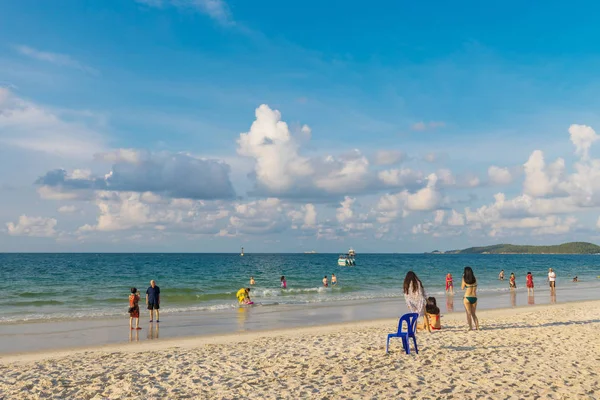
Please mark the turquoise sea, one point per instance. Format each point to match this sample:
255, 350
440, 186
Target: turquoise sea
47, 287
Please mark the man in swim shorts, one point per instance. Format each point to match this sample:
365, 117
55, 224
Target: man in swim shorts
153, 300
552, 279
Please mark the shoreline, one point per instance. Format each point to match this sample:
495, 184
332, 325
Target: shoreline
187, 342
515, 355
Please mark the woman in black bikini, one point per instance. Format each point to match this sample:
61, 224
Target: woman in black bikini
469, 284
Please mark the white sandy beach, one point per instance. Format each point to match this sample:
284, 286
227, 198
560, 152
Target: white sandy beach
535, 352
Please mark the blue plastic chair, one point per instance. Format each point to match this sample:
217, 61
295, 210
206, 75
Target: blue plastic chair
411, 325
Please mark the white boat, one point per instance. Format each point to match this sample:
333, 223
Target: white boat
347, 260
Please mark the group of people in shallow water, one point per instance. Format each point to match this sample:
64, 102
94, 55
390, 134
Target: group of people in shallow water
512, 280
243, 295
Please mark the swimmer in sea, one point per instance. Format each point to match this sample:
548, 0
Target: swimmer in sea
333, 280
283, 282
325, 281
252, 282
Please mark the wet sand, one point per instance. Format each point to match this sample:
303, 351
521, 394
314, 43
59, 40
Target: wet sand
528, 352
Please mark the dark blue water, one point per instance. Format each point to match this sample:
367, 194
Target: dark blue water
65, 286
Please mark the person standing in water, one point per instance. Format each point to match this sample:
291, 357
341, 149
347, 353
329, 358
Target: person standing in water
512, 282
333, 280
283, 282
134, 309
552, 279
469, 285
252, 282
501, 275
153, 300
529, 283
449, 284
325, 281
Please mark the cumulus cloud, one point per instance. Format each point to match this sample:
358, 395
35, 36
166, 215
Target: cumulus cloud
121, 211
32, 226
259, 217
175, 175
392, 206
499, 176
539, 179
281, 170
29, 126
582, 137
399, 177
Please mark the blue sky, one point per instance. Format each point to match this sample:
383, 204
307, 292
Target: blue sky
158, 125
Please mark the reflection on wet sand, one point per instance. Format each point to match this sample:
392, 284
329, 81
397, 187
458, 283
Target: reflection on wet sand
450, 304
553, 297
153, 331
242, 317
513, 298
134, 335
530, 300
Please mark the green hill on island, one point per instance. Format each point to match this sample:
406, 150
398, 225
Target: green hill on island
565, 248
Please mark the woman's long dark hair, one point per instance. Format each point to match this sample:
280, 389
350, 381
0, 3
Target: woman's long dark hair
469, 276
411, 277
431, 306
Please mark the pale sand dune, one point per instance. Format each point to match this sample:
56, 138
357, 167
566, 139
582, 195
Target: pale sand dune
537, 352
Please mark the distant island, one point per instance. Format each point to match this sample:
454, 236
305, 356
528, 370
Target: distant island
565, 248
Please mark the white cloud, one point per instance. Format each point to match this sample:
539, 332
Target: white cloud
67, 209
582, 137
399, 177
456, 219
62, 60
216, 9
281, 170
310, 216
271, 144
124, 211
28, 126
32, 226
259, 217
539, 180
499, 176
424, 199
345, 212
392, 206
304, 218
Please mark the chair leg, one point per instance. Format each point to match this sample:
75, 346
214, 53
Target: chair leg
416, 348
405, 345
387, 345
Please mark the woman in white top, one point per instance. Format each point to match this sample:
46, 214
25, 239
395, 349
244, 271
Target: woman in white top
552, 279
414, 294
